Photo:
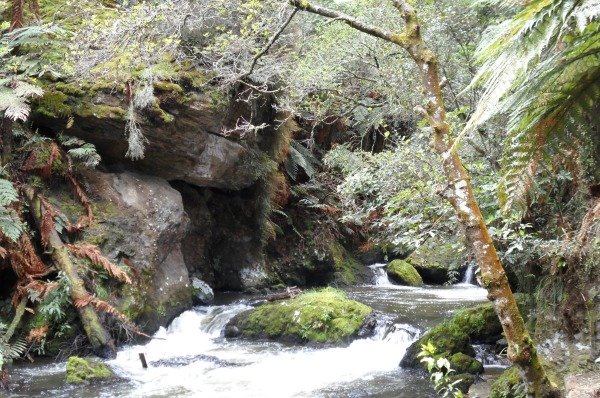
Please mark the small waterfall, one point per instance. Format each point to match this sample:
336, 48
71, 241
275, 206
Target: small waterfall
485, 354
469, 277
380, 276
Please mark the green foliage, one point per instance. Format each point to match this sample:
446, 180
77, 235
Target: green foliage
440, 370
508, 385
80, 152
300, 157
10, 223
10, 350
541, 68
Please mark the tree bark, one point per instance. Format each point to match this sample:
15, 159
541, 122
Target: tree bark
98, 337
521, 350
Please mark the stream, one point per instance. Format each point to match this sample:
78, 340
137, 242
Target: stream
191, 359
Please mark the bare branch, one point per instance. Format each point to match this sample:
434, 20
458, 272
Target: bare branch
269, 44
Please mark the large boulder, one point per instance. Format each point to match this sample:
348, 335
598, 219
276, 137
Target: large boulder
403, 273
437, 261
139, 224
323, 316
452, 339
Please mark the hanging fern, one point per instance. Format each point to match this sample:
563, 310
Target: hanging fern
300, 156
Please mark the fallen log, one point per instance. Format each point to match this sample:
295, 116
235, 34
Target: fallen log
289, 292
101, 341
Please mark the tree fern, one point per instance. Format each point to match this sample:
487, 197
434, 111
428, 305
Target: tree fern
542, 69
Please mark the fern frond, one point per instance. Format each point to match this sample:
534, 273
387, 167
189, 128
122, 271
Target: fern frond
13, 106
511, 50
8, 193
300, 156
86, 155
548, 111
92, 253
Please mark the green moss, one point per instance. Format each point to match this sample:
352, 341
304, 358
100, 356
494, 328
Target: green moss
80, 370
168, 87
463, 363
346, 267
54, 104
481, 322
321, 316
508, 385
402, 272
87, 109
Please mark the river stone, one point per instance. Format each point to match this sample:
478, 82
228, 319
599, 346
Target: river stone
82, 370
140, 224
403, 273
325, 316
203, 293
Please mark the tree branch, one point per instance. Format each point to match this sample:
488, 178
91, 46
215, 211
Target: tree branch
372, 30
272, 41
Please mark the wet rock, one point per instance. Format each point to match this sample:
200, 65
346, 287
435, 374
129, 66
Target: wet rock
403, 273
140, 224
586, 385
202, 292
81, 370
322, 317
435, 260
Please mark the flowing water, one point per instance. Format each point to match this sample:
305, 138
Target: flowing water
191, 359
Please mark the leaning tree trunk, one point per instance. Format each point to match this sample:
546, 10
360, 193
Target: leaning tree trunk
458, 191
97, 335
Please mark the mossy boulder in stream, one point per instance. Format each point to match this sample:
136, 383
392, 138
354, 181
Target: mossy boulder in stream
321, 316
452, 338
508, 385
403, 273
81, 370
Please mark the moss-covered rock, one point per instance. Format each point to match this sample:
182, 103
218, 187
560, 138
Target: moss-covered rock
321, 316
481, 323
81, 370
508, 385
472, 325
436, 260
403, 273
466, 381
462, 363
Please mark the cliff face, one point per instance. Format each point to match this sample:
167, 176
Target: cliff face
196, 204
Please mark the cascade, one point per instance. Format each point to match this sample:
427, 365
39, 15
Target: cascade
380, 276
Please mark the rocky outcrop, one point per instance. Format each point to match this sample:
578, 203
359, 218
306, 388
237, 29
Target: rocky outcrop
140, 224
191, 135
